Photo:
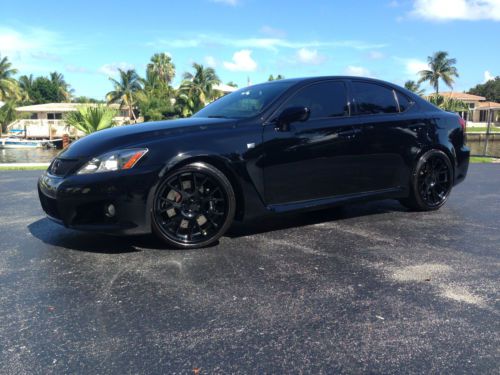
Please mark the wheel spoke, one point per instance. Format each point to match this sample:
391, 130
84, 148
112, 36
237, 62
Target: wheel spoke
433, 180
191, 207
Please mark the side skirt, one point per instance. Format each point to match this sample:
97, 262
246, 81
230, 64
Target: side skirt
337, 200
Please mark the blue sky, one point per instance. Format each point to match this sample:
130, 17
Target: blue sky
387, 39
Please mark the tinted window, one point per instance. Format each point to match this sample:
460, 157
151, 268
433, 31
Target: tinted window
246, 102
325, 99
404, 102
372, 99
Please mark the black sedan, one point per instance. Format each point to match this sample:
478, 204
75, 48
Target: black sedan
295, 144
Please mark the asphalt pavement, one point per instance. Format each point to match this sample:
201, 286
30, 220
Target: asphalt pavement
368, 288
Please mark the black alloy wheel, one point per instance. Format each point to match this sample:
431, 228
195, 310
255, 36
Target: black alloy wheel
431, 183
193, 206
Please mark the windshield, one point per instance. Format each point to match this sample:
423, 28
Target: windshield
246, 102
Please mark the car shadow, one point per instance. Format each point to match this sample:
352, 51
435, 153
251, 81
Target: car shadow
56, 235
285, 221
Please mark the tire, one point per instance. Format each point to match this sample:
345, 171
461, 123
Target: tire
193, 206
431, 182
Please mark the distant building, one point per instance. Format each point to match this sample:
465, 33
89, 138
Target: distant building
46, 121
479, 108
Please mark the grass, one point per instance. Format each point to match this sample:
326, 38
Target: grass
482, 129
481, 159
25, 168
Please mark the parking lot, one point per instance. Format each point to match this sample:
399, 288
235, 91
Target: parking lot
361, 289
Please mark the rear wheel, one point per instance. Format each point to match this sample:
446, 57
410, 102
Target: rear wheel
193, 206
431, 182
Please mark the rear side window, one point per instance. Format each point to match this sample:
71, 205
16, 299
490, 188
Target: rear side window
404, 102
373, 99
324, 99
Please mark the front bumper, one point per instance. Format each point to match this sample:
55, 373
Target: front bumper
80, 201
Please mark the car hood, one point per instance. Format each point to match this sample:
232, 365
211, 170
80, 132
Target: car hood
125, 136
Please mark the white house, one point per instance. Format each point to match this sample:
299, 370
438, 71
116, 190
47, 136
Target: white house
46, 121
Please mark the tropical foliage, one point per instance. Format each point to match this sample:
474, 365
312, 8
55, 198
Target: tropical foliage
490, 90
448, 104
441, 68
8, 84
126, 88
8, 114
414, 87
89, 119
197, 90
273, 78
63, 89
162, 66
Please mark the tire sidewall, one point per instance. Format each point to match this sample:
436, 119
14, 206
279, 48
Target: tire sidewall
414, 184
231, 205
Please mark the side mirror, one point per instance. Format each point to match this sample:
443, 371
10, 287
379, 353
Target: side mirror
292, 114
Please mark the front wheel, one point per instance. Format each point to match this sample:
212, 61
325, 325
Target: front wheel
193, 206
431, 182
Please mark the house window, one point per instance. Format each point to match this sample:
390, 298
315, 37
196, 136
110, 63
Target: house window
34, 116
54, 116
483, 116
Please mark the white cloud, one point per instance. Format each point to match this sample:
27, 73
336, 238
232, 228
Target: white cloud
242, 62
76, 69
227, 2
271, 43
413, 66
32, 42
359, 71
375, 55
488, 76
273, 32
210, 61
310, 56
112, 69
446, 10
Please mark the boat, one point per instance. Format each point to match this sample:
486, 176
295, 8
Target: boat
21, 143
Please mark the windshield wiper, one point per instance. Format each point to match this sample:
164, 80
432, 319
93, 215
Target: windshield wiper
217, 116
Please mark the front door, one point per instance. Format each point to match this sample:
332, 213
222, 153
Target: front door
316, 158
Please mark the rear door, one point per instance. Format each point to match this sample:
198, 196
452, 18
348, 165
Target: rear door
387, 135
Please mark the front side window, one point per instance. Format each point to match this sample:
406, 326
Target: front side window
324, 99
247, 102
373, 99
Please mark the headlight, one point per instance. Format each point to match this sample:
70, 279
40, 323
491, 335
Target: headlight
114, 161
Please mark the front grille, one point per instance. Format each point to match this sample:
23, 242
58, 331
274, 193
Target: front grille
49, 205
63, 167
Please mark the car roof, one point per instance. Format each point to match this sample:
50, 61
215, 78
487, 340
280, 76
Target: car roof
305, 80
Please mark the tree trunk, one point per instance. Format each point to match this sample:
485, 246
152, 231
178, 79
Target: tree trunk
131, 112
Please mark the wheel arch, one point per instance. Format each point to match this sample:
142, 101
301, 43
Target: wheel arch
221, 163
448, 150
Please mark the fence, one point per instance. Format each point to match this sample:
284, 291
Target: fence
484, 144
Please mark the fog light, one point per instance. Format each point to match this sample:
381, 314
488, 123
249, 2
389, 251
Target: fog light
110, 210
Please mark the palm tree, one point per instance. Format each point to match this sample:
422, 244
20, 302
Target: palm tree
7, 114
162, 65
89, 119
440, 68
414, 87
8, 85
26, 87
198, 89
63, 87
126, 89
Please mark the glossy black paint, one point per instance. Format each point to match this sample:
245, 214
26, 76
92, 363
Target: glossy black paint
305, 165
